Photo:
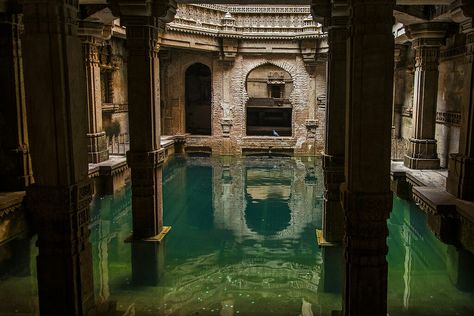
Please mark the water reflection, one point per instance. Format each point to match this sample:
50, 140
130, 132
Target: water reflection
243, 243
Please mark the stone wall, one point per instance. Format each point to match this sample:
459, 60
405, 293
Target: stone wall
229, 97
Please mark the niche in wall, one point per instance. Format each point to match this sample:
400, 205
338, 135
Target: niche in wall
269, 108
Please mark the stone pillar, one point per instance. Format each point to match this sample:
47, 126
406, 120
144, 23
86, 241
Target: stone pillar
398, 90
15, 165
92, 39
427, 40
145, 158
366, 192
57, 123
460, 181
333, 159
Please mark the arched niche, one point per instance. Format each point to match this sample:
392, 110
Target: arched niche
269, 110
198, 99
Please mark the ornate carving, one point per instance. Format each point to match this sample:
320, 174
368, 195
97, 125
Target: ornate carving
246, 22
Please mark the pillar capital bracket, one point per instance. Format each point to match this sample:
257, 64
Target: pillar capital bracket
464, 15
427, 34
94, 32
144, 11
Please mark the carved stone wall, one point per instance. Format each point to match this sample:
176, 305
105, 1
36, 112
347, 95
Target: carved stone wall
230, 79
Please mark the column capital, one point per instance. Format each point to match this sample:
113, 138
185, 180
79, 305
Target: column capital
144, 11
94, 32
427, 34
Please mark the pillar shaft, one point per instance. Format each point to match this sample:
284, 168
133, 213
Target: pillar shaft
15, 165
333, 161
460, 181
422, 150
57, 122
145, 157
97, 146
366, 192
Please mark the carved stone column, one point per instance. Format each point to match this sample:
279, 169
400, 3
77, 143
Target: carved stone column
57, 123
366, 191
398, 89
146, 156
15, 166
333, 159
92, 39
460, 180
427, 40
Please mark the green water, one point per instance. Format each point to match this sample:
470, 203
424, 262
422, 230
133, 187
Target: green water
243, 243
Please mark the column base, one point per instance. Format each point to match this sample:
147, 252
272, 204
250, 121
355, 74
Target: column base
322, 242
422, 154
460, 181
97, 147
154, 239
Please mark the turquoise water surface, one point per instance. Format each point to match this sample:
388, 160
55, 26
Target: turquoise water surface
243, 243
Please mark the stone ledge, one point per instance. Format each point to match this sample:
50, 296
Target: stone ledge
451, 219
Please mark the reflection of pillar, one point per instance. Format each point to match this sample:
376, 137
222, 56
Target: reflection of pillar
57, 121
332, 271
459, 265
460, 180
333, 160
366, 192
15, 165
408, 261
148, 262
422, 149
146, 156
103, 252
91, 36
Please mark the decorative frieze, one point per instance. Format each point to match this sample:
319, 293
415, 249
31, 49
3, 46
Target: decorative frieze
448, 118
246, 22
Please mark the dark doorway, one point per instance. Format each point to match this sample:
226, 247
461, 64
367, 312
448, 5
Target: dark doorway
198, 91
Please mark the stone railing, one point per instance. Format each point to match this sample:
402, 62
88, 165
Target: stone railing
246, 21
118, 145
448, 118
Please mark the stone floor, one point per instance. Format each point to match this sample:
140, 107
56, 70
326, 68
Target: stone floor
429, 178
